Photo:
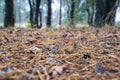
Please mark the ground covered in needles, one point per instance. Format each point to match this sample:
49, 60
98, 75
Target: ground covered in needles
86, 53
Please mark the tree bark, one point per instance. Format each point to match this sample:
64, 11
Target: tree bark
40, 13
60, 13
90, 13
34, 13
37, 12
31, 12
111, 11
105, 13
72, 12
49, 13
9, 13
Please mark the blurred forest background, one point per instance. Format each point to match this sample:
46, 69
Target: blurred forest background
38, 13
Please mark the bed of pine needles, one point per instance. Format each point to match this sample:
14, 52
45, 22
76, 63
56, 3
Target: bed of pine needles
86, 53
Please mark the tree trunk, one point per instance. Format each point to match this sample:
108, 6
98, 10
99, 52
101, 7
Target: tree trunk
40, 13
49, 13
34, 13
111, 11
37, 12
89, 12
105, 13
72, 12
60, 14
9, 13
31, 12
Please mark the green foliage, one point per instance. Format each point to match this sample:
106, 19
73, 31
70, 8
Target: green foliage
28, 24
79, 18
80, 12
66, 21
118, 24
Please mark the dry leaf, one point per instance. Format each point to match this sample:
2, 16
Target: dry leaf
57, 70
33, 50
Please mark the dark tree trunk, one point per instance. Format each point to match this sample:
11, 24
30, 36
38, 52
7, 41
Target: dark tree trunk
37, 12
105, 13
31, 13
60, 14
40, 13
90, 14
49, 13
9, 13
111, 11
72, 12
34, 13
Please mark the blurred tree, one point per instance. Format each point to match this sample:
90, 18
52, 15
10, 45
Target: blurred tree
72, 12
37, 12
60, 13
90, 9
9, 13
40, 14
31, 12
49, 13
105, 12
79, 11
34, 13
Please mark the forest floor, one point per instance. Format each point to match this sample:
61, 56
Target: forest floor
87, 53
